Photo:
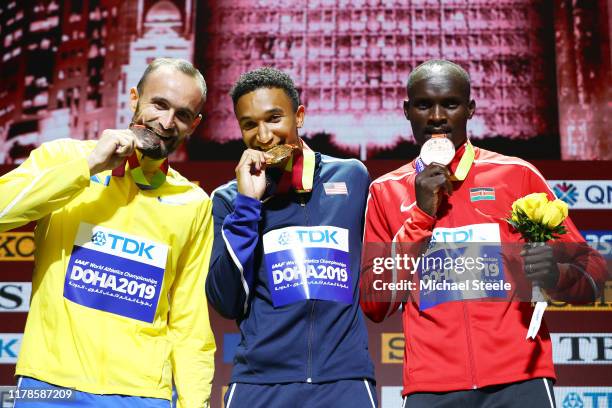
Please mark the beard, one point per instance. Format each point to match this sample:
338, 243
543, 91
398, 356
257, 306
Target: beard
150, 143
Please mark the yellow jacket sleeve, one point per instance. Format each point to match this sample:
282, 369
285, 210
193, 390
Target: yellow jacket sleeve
45, 182
193, 343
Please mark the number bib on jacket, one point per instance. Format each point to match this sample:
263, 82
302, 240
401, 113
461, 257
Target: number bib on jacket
115, 272
308, 263
462, 263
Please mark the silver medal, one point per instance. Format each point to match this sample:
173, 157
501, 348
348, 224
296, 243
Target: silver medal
438, 149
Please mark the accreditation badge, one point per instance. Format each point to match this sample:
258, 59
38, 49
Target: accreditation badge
461, 263
308, 263
115, 272
439, 149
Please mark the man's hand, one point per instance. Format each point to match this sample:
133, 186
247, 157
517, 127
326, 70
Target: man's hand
540, 265
251, 173
112, 148
430, 185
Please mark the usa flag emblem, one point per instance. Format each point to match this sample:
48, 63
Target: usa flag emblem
335, 188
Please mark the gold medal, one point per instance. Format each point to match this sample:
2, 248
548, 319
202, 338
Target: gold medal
279, 154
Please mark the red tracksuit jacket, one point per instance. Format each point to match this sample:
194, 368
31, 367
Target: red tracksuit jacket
465, 345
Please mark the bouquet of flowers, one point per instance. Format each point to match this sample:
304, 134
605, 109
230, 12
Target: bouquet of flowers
538, 220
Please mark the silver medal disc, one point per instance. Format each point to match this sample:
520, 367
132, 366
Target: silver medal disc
437, 150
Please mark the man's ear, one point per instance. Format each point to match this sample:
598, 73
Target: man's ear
299, 116
406, 107
133, 98
471, 108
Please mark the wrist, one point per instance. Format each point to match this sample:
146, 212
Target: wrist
94, 168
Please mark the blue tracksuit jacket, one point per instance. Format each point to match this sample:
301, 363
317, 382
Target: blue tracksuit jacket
307, 340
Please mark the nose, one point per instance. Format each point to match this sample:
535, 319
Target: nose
437, 115
166, 121
263, 134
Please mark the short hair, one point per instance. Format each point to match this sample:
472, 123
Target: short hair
266, 77
181, 65
434, 66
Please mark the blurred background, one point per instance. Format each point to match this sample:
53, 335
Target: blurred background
540, 69
540, 74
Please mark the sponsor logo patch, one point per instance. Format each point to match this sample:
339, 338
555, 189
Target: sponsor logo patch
308, 263
115, 272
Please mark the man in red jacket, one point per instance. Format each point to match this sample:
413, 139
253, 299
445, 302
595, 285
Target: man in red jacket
462, 353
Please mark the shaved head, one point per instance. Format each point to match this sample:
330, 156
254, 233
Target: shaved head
433, 68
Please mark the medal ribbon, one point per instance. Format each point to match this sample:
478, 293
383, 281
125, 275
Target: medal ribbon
467, 158
299, 171
137, 173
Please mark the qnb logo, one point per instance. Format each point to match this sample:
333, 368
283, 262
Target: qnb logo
99, 238
573, 400
123, 244
566, 192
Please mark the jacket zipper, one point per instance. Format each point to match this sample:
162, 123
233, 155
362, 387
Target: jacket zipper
470, 348
310, 334
312, 308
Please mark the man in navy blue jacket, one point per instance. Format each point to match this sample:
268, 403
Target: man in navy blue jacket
285, 262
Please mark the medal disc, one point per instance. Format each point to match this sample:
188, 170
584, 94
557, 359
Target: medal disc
279, 154
439, 150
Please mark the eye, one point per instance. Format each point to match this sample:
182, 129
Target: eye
248, 125
422, 105
183, 116
275, 118
160, 105
451, 105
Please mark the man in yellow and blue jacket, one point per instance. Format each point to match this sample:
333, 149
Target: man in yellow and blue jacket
123, 243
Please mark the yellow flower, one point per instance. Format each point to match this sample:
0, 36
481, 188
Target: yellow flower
555, 213
533, 205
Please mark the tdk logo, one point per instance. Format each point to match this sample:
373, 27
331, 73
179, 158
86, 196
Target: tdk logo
284, 238
317, 236
453, 236
99, 238
573, 400
308, 237
467, 233
129, 245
